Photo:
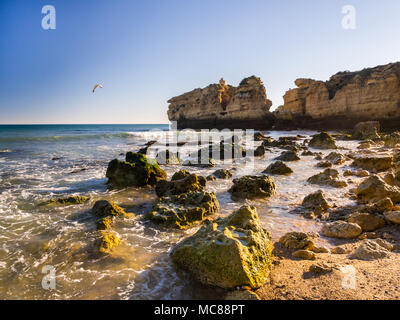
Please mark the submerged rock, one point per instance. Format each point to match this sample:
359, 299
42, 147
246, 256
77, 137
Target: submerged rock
66, 201
253, 187
136, 171
104, 208
322, 140
341, 229
374, 162
184, 210
328, 177
374, 189
316, 201
278, 168
288, 156
229, 252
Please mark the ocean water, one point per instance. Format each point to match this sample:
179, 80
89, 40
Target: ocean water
39, 162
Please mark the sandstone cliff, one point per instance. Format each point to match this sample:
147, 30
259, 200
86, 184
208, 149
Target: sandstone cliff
223, 106
343, 100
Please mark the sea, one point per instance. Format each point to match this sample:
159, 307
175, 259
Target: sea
41, 162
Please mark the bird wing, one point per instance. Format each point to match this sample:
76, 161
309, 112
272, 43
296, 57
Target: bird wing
97, 86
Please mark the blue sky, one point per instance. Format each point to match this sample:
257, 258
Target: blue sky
145, 52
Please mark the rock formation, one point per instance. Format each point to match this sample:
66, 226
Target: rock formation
223, 106
345, 99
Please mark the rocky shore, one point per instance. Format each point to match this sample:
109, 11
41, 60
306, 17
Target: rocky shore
372, 94
237, 254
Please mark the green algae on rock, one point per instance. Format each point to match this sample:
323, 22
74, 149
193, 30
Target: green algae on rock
253, 187
65, 201
184, 210
229, 252
322, 140
176, 186
104, 208
108, 242
136, 171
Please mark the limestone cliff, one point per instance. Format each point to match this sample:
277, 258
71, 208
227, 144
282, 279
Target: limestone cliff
343, 100
223, 106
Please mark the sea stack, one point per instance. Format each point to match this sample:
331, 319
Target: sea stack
223, 106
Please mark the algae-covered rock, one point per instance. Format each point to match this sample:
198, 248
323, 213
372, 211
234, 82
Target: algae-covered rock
288, 156
72, 200
104, 223
374, 189
136, 171
341, 229
329, 177
184, 210
174, 187
104, 208
229, 252
253, 187
316, 201
374, 162
322, 140
108, 242
278, 168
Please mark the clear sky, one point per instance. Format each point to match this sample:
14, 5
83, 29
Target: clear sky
145, 52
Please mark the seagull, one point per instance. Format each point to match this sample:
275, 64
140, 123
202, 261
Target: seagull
97, 86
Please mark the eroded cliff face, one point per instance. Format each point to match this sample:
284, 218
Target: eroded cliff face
223, 106
343, 100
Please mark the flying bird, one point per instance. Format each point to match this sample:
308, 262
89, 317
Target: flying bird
96, 86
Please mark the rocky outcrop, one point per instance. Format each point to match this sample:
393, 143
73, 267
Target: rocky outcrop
223, 106
344, 100
253, 187
229, 252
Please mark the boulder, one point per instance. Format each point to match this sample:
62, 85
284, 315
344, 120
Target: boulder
200, 163
322, 140
366, 130
136, 171
316, 201
324, 164
367, 221
222, 174
296, 241
370, 250
392, 140
167, 157
393, 216
184, 210
374, 189
260, 151
288, 156
259, 136
229, 252
341, 229
336, 158
175, 187
304, 254
323, 267
374, 162
253, 187
108, 242
328, 177
278, 168
380, 206
104, 208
